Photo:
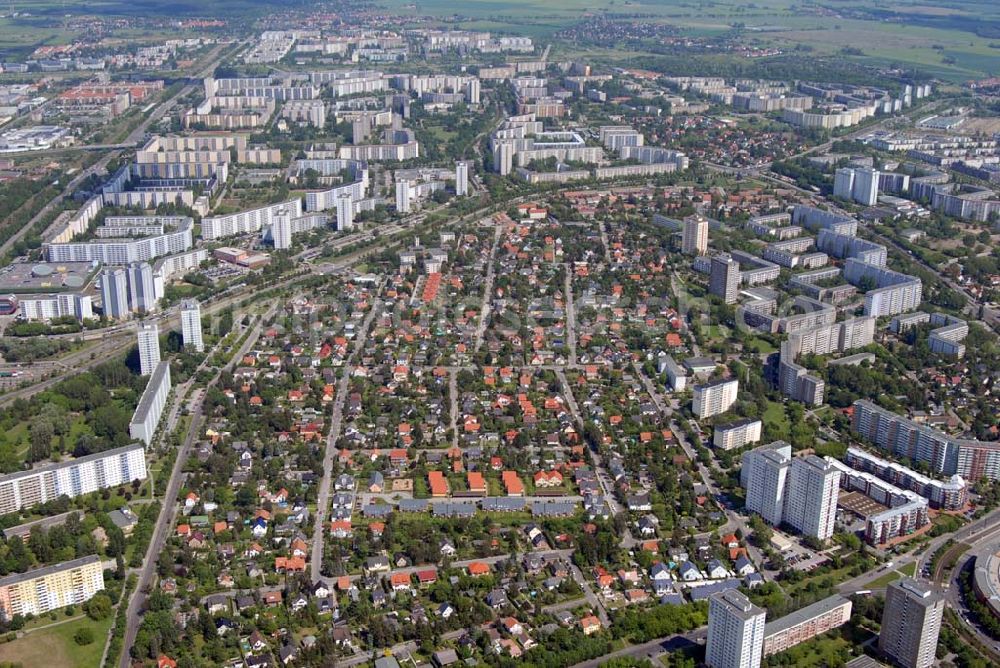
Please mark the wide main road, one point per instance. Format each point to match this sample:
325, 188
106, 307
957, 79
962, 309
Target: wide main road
168, 510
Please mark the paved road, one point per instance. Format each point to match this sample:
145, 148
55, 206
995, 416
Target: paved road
492, 560
570, 315
484, 316
117, 339
734, 520
981, 529
98, 167
604, 242
572, 604
757, 171
169, 509
323, 498
990, 315
588, 593
972, 533
453, 405
603, 477
982, 537
977, 533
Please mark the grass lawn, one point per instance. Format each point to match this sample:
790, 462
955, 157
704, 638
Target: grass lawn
834, 576
904, 571
947, 523
826, 650
716, 332
18, 437
760, 346
54, 647
775, 415
77, 429
441, 134
885, 580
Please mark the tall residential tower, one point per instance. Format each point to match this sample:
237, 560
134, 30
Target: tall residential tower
191, 325
911, 623
149, 348
735, 631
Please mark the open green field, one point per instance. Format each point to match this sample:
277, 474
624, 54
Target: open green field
762, 346
54, 646
775, 415
146, 7
951, 40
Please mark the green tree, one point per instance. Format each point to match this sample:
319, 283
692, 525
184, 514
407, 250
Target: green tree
41, 436
83, 636
98, 607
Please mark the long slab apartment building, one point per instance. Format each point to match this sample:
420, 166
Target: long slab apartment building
82, 475
125, 239
805, 624
944, 454
41, 590
148, 413
904, 511
951, 494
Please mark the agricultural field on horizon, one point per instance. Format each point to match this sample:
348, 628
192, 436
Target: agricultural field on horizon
954, 40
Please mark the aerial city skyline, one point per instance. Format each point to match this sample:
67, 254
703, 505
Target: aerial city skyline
388, 334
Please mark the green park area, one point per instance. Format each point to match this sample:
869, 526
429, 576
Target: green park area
54, 644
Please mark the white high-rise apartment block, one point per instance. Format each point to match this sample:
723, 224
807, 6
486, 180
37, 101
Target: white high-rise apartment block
345, 212
125, 250
764, 476
472, 91
843, 183
46, 307
150, 409
694, 238
724, 278
865, 189
801, 492
736, 434
461, 178
191, 325
403, 195
247, 222
911, 623
43, 589
811, 497
141, 287
281, 230
114, 293
715, 397
503, 158
735, 631
857, 184
149, 348
82, 475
